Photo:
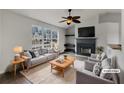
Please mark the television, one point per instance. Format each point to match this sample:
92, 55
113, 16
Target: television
86, 31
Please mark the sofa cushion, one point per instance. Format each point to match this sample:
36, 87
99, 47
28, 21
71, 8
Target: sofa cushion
55, 54
49, 56
51, 51
97, 68
88, 65
38, 60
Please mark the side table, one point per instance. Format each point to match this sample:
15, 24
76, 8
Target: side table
16, 62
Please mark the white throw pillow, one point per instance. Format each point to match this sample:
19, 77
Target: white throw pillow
103, 56
36, 53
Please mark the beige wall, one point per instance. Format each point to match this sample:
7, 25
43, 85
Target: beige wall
111, 18
17, 30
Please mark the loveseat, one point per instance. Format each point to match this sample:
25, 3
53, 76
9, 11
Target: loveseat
87, 75
38, 56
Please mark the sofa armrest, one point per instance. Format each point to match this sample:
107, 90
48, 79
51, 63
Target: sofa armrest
28, 62
87, 77
53, 51
88, 65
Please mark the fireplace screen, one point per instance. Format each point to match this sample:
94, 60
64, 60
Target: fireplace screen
85, 51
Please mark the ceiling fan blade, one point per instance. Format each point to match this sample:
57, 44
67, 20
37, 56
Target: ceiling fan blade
76, 17
62, 21
65, 17
76, 21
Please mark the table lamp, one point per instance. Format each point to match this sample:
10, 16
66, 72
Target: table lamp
18, 50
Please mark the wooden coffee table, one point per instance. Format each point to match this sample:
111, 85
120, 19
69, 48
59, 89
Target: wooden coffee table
61, 67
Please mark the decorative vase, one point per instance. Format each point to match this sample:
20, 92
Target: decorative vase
65, 56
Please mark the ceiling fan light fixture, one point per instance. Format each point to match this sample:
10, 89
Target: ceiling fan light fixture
70, 19
69, 22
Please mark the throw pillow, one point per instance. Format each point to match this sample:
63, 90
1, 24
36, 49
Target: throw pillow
32, 54
44, 51
106, 62
98, 57
103, 56
97, 69
40, 51
36, 53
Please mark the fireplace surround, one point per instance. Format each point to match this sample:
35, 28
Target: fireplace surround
86, 46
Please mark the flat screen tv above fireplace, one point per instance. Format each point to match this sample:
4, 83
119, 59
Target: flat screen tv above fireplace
86, 31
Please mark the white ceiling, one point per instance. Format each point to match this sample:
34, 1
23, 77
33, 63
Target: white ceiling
53, 16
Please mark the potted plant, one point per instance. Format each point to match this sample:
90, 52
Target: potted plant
99, 50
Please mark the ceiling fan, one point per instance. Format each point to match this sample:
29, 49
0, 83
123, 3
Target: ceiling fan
70, 18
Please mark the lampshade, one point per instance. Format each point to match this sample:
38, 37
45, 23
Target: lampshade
17, 49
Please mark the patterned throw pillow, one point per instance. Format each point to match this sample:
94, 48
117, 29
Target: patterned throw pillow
103, 56
106, 65
97, 69
98, 57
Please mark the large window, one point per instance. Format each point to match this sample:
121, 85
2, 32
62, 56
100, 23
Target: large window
43, 37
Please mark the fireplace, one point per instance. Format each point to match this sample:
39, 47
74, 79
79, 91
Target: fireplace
86, 46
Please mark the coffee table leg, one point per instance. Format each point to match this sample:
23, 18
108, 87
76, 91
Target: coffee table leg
51, 67
62, 72
22, 65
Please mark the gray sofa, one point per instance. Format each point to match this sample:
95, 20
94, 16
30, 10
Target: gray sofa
86, 75
42, 56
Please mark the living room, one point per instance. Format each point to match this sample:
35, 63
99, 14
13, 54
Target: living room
17, 27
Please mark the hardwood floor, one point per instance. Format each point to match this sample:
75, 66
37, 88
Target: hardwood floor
8, 78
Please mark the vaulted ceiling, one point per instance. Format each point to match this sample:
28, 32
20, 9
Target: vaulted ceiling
53, 16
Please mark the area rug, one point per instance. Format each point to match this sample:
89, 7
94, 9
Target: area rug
42, 75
